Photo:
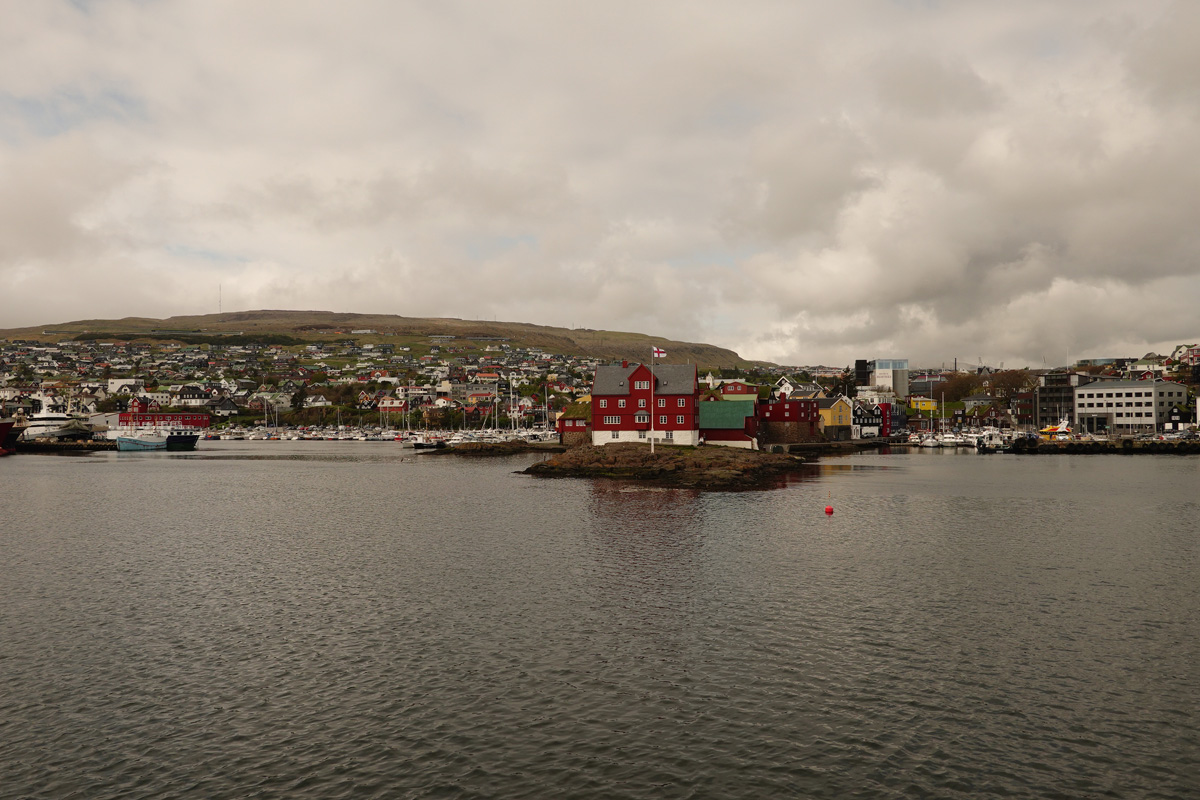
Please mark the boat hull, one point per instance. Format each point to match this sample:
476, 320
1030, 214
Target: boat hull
181, 440
131, 444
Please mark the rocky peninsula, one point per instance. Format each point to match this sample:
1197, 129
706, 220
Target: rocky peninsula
712, 468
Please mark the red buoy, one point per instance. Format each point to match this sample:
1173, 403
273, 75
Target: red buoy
828, 509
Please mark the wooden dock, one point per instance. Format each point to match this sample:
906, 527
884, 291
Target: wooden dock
88, 446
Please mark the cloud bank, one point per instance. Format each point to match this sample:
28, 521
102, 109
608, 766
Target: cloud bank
802, 182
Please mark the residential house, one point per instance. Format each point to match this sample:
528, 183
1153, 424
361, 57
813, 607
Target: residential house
574, 425
867, 420
222, 407
793, 389
737, 390
977, 400
837, 417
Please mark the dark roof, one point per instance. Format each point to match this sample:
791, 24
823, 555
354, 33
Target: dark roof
670, 379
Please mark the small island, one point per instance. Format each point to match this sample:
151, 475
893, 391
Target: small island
712, 468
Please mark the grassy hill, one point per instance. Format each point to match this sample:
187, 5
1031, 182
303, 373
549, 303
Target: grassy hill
313, 326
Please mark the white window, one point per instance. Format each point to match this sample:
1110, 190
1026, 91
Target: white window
604, 404
641, 384
662, 419
662, 403
669, 435
681, 402
612, 420
620, 404
641, 434
642, 403
616, 435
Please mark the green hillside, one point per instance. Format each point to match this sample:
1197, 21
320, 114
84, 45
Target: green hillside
298, 327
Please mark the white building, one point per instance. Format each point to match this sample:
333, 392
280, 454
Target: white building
1126, 406
891, 373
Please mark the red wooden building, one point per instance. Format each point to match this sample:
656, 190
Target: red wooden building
140, 415
790, 420
625, 397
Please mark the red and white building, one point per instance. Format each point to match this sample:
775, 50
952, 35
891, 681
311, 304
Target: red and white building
141, 415
629, 399
739, 390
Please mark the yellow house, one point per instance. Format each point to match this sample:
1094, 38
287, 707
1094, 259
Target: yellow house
922, 404
835, 413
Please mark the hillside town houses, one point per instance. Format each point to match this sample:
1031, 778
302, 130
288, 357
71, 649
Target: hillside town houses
592, 400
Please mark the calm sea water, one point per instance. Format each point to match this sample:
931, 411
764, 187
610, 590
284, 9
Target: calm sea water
324, 620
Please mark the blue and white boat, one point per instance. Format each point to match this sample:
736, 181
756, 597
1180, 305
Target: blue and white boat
142, 441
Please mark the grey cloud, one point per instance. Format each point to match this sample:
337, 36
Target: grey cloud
924, 85
806, 182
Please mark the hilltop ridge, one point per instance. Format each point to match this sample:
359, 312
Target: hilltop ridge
321, 325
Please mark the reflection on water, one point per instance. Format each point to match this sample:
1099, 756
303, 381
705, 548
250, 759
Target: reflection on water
319, 620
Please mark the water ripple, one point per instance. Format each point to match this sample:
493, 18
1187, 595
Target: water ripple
297, 623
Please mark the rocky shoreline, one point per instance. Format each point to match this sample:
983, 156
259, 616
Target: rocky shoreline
496, 448
711, 468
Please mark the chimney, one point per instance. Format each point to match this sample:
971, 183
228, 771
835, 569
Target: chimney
624, 364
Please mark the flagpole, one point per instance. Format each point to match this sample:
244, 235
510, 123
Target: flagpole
653, 408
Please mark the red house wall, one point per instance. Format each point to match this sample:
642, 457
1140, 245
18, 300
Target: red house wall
658, 405
129, 418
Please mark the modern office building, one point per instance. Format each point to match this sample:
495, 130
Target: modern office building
1127, 406
890, 373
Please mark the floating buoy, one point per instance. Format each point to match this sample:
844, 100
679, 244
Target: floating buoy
829, 509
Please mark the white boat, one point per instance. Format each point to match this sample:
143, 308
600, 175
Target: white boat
55, 425
991, 441
424, 442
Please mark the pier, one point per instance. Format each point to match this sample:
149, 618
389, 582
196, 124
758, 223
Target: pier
1124, 446
87, 446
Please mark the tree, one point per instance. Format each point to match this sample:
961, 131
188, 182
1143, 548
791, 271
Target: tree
845, 383
960, 385
1012, 381
298, 399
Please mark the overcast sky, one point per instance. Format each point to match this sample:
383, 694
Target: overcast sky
803, 182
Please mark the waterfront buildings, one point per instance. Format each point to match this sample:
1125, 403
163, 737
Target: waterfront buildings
890, 373
1126, 406
624, 397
